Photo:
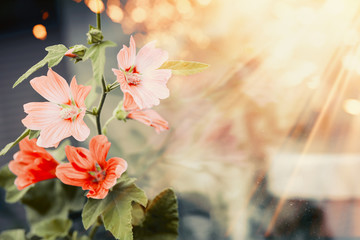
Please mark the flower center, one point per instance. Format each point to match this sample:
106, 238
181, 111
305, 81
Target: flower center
99, 174
133, 78
69, 112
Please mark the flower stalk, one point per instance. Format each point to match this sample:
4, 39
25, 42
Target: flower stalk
98, 21
105, 91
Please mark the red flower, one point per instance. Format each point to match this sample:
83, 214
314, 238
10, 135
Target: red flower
90, 170
32, 164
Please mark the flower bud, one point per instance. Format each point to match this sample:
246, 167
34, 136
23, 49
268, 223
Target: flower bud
77, 51
119, 112
94, 36
69, 53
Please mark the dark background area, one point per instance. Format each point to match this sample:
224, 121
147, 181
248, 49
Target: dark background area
21, 50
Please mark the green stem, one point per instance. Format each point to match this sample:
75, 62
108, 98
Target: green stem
101, 104
108, 121
98, 21
90, 112
113, 85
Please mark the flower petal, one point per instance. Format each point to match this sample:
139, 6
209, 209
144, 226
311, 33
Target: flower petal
99, 193
52, 87
51, 135
80, 131
155, 81
99, 147
126, 56
32, 165
150, 58
79, 92
29, 146
143, 97
150, 118
80, 158
41, 114
68, 175
146, 94
23, 181
129, 103
115, 168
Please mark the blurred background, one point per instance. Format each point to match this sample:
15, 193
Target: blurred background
262, 145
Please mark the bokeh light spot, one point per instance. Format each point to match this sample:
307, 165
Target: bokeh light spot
115, 13
138, 15
39, 31
352, 106
97, 6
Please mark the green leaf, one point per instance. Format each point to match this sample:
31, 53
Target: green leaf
161, 218
137, 214
76, 237
115, 209
54, 56
51, 228
15, 234
52, 199
34, 134
97, 55
12, 144
180, 67
7, 179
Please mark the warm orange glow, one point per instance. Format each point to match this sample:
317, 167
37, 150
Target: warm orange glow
183, 6
165, 9
138, 15
45, 15
204, 2
200, 38
97, 6
39, 31
115, 13
314, 82
77, 1
280, 65
352, 106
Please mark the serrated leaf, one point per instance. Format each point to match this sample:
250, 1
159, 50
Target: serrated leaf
97, 55
15, 234
54, 56
115, 209
161, 218
34, 134
50, 229
180, 67
14, 143
7, 179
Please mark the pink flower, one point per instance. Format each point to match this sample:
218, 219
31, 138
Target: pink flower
139, 77
90, 170
32, 164
150, 118
63, 115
